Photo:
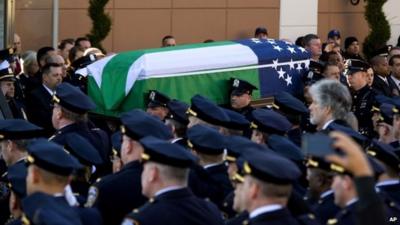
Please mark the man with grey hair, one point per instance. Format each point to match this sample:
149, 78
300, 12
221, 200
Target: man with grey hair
331, 102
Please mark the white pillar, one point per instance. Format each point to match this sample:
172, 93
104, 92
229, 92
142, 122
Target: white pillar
55, 23
391, 9
298, 18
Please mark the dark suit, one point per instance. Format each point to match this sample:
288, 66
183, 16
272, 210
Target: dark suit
39, 109
117, 194
178, 207
395, 86
381, 87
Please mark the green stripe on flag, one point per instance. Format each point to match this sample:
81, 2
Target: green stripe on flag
212, 85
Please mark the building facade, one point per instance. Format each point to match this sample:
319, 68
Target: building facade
140, 24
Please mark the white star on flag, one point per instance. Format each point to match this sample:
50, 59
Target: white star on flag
288, 80
291, 64
275, 64
271, 41
276, 47
291, 50
302, 49
256, 40
307, 64
281, 73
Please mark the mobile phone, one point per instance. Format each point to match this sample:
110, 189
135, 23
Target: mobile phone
318, 144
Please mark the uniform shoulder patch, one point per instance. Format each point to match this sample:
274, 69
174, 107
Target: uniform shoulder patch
93, 193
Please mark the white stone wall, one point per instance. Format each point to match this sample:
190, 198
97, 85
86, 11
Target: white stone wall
298, 18
392, 12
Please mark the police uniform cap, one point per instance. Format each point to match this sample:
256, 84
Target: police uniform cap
239, 87
356, 65
359, 138
387, 112
320, 163
73, 99
177, 110
239, 145
270, 167
16, 175
289, 104
237, 121
157, 99
384, 153
269, 121
316, 67
164, 152
82, 149
137, 124
206, 139
207, 110
7, 74
16, 129
284, 147
383, 51
84, 61
51, 157
5, 54
334, 33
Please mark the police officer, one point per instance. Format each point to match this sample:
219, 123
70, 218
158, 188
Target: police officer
17, 181
203, 111
320, 195
157, 104
210, 178
363, 96
178, 121
388, 182
294, 110
49, 171
89, 157
124, 186
266, 122
238, 124
70, 110
241, 93
267, 185
164, 181
7, 84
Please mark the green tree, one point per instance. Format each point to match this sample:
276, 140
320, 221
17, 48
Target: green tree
379, 27
101, 22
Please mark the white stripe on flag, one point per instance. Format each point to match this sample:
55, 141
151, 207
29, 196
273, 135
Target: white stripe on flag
197, 59
306, 61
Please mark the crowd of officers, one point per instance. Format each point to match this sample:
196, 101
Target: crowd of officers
201, 163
